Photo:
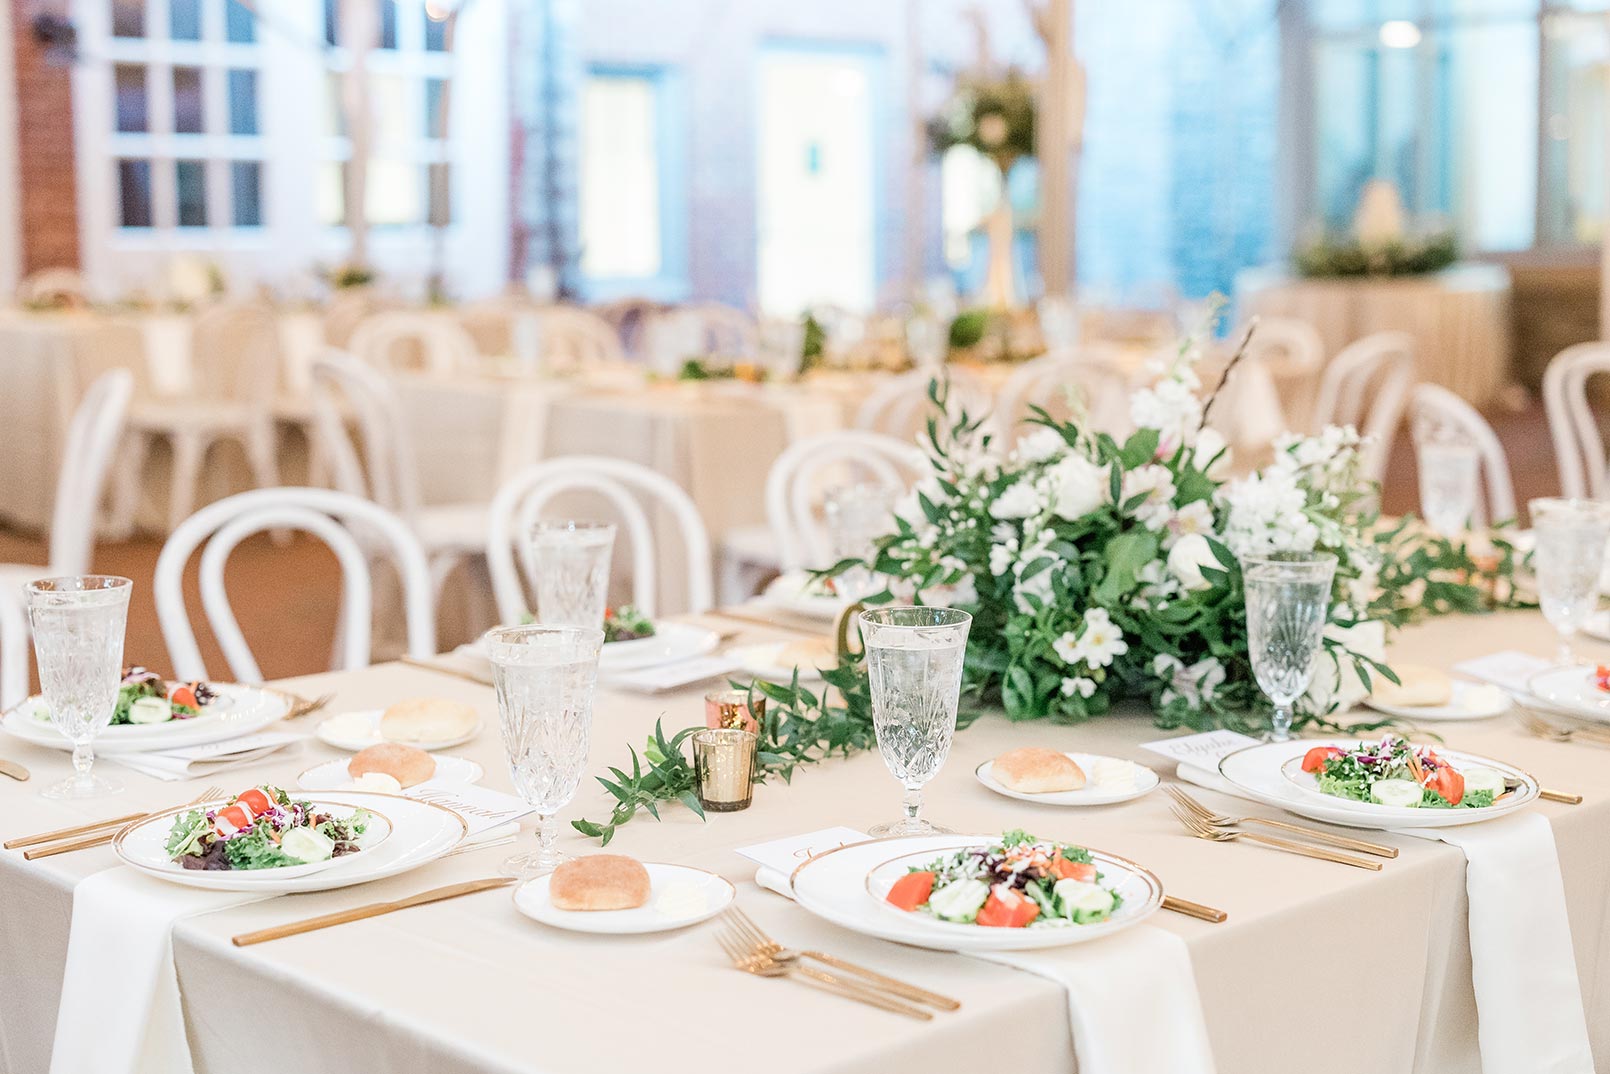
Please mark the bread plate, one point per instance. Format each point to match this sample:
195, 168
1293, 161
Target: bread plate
679, 896
1470, 701
1106, 792
333, 775
359, 730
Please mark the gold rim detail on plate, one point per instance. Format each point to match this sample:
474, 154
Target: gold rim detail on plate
151, 818
1531, 780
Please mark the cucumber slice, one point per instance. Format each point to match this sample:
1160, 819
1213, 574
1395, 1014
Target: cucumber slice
959, 900
1082, 900
1484, 779
1398, 793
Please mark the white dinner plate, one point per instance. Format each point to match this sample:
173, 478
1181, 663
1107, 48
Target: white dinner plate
1125, 784
679, 896
240, 710
143, 845
669, 643
1570, 688
332, 775
421, 832
766, 661
1263, 773
1470, 701
847, 886
339, 736
1598, 625
794, 591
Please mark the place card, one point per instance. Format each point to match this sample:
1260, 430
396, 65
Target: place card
482, 809
1510, 669
192, 761
673, 676
787, 854
1205, 750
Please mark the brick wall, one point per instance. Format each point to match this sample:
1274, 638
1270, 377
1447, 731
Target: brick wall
49, 201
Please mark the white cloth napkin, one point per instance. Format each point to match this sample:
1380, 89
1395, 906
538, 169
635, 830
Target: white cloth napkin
1132, 1000
120, 1011
193, 761
1523, 966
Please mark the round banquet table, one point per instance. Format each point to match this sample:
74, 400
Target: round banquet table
1459, 318
1376, 966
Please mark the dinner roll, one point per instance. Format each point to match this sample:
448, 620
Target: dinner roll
599, 882
427, 719
1419, 686
1036, 770
405, 764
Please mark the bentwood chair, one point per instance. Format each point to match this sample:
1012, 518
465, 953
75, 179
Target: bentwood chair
349, 525
1367, 386
1437, 413
632, 492
1578, 445
13, 648
416, 340
900, 407
564, 339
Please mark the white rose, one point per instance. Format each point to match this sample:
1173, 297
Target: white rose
1187, 558
1213, 453
1078, 487
1019, 500
1335, 676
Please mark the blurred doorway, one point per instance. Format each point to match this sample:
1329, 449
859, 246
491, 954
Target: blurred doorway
817, 169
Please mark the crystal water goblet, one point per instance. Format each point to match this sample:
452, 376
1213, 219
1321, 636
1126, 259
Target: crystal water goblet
545, 677
1450, 479
856, 516
1288, 599
570, 562
78, 625
914, 662
1568, 557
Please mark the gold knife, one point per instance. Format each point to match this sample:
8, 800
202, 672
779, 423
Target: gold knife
1194, 909
374, 909
14, 770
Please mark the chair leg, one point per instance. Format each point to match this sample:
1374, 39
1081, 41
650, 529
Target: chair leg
126, 485
189, 451
259, 442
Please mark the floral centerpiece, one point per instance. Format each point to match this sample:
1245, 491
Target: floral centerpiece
992, 115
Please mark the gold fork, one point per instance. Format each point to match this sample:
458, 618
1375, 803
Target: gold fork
102, 837
1554, 733
765, 945
748, 960
1220, 820
301, 706
1201, 829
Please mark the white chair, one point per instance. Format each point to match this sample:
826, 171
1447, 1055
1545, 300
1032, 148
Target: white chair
1435, 413
624, 485
1087, 378
386, 470
1578, 446
398, 340
900, 407
695, 331
1292, 354
331, 516
53, 287
1367, 386
235, 373
564, 339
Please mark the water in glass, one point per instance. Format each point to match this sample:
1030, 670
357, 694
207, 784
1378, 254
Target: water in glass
1569, 558
78, 625
570, 562
1450, 482
857, 515
914, 663
1288, 595
545, 677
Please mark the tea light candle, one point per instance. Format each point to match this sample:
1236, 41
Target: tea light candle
724, 761
734, 708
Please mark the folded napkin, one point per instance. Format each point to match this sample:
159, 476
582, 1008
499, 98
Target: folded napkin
193, 761
1523, 966
120, 1011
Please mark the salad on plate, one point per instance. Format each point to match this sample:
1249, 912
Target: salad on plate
1394, 772
144, 697
263, 828
626, 623
1018, 882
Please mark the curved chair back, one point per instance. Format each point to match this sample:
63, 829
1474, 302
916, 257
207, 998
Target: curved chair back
900, 407
59, 287
414, 340
564, 339
796, 481
390, 476
519, 503
327, 514
1437, 413
1578, 446
92, 438
235, 356
1061, 381
1367, 386
676, 335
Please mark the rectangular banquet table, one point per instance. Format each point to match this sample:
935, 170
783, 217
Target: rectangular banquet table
1319, 967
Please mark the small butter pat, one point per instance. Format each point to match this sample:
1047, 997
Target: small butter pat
377, 781
679, 899
1114, 774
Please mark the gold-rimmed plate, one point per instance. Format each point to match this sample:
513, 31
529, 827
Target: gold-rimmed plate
679, 896
239, 710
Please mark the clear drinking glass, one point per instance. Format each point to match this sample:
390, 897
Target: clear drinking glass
1288, 596
1450, 482
78, 625
1569, 558
570, 562
857, 515
545, 678
914, 660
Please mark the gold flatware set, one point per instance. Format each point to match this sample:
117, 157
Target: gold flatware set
374, 909
94, 834
1193, 815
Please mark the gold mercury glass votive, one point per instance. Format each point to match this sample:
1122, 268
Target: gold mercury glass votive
724, 761
734, 708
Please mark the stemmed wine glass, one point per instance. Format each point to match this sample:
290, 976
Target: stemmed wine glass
570, 562
857, 515
78, 625
914, 661
1569, 558
545, 677
1288, 596
1450, 476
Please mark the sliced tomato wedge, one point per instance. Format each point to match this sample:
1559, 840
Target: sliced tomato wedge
1063, 869
234, 815
1314, 760
1448, 783
911, 890
183, 695
1007, 909
254, 800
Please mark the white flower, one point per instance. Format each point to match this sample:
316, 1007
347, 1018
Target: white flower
1187, 558
1194, 518
1172, 408
1212, 454
1268, 513
1067, 647
963, 591
1001, 558
1077, 487
1100, 640
1156, 483
1078, 684
1018, 500
1196, 684
1042, 444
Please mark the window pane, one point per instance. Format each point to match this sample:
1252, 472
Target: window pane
620, 182
388, 23
128, 18
246, 183
392, 98
433, 106
242, 101
187, 100
335, 117
240, 25
134, 192
191, 184
332, 22
441, 200
395, 195
330, 193
1574, 150
435, 31
129, 79
184, 20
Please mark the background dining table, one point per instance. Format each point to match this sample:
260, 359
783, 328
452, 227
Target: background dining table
1319, 966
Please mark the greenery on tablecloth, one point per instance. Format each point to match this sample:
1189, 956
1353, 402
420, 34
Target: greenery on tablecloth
1330, 256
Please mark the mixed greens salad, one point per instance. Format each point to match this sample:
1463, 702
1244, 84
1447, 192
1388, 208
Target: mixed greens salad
626, 623
145, 697
262, 828
1395, 773
1019, 882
